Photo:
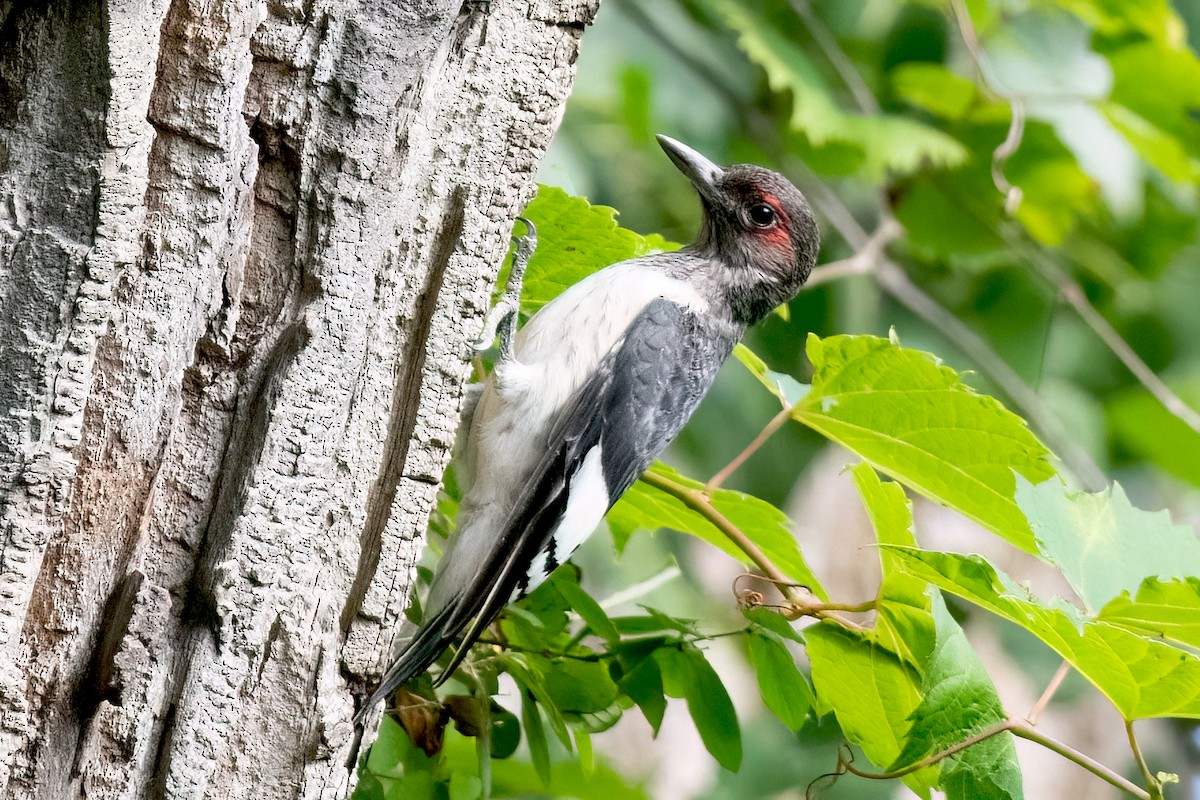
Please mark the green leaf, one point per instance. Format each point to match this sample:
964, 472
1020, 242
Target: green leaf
869, 690
648, 508
891, 516
933, 88
1166, 609
903, 624
1104, 545
687, 674
566, 581
1143, 426
783, 687
575, 239
643, 684
514, 778
580, 687
772, 621
535, 736
465, 786
915, 420
1142, 675
887, 142
1168, 108
506, 732
959, 700
789, 390
529, 671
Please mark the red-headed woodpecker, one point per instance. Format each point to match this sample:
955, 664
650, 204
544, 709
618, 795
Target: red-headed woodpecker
599, 382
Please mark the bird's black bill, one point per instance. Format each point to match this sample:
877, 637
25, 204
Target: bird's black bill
703, 173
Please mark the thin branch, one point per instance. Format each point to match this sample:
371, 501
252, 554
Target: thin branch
777, 422
1026, 731
648, 25
1017, 728
1069, 289
865, 260
929, 761
1151, 781
837, 57
698, 501
1073, 293
1060, 675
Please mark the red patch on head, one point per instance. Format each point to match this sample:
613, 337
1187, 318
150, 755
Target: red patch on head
778, 234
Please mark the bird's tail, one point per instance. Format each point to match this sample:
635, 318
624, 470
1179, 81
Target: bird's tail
418, 654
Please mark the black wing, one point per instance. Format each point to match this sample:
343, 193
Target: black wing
644, 391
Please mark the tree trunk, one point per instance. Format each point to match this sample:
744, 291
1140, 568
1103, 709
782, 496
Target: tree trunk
243, 249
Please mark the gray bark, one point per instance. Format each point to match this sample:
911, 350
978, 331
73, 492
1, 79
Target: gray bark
243, 249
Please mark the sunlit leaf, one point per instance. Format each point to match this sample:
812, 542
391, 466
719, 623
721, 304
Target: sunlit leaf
1166, 609
645, 507
535, 736
870, 691
1103, 544
934, 88
915, 420
888, 142
1142, 675
959, 700
575, 239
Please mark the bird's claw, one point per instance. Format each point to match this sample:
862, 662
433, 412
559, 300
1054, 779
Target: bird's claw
502, 319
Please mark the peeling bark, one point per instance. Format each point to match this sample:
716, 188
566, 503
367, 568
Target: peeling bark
243, 249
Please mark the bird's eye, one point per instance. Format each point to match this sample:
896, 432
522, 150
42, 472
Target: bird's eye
762, 215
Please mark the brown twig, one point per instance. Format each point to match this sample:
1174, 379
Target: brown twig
1027, 732
928, 761
1019, 728
777, 422
1060, 675
798, 604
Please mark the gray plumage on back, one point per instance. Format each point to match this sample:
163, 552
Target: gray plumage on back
601, 380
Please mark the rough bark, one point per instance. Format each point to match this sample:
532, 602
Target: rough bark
243, 248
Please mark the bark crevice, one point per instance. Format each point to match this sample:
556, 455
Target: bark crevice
405, 400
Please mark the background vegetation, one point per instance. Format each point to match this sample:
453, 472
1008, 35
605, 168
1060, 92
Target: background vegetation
1008, 185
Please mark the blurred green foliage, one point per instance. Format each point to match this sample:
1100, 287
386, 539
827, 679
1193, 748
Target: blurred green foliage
1034, 165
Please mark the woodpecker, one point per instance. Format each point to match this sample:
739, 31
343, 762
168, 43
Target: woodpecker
595, 386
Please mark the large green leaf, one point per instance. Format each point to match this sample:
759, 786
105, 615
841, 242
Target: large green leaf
870, 691
1141, 674
645, 507
959, 700
915, 420
1103, 544
903, 623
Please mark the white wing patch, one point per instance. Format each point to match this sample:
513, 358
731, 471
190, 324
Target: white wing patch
587, 500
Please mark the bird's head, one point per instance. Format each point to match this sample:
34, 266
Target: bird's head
758, 230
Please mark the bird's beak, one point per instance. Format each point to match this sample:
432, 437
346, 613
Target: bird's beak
703, 173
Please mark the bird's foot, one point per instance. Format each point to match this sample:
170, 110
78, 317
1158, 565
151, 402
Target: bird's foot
502, 320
